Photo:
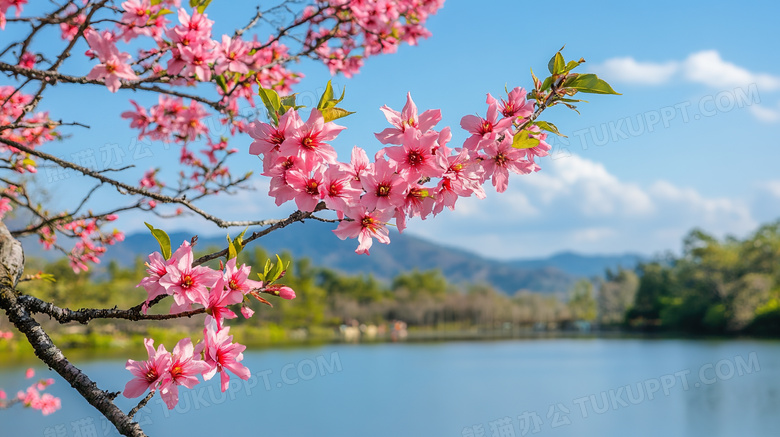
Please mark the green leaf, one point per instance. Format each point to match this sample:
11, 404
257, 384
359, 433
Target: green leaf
277, 270
159, 13
330, 114
590, 83
156, 2
537, 82
267, 268
203, 6
572, 107
163, 239
522, 140
571, 65
556, 64
235, 246
549, 127
327, 96
48, 277
289, 101
222, 83
547, 83
272, 102
199, 5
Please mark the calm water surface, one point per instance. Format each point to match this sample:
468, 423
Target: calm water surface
604, 388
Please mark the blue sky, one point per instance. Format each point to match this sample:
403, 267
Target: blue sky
693, 140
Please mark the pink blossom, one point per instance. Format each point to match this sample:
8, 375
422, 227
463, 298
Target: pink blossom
246, 311
282, 291
309, 140
415, 159
28, 60
233, 56
157, 268
188, 284
337, 190
358, 164
139, 119
5, 206
184, 368
516, 105
220, 297
365, 226
196, 60
405, 119
384, 188
70, 28
221, 354
501, 159
268, 138
237, 278
464, 174
47, 404
279, 189
114, 65
43, 383
30, 373
7, 4
148, 373
306, 181
484, 130
418, 203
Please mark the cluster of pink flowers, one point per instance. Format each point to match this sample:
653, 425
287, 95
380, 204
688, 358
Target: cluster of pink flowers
71, 21
416, 175
366, 28
113, 64
169, 120
37, 130
32, 397
166, 371
6, 335
215, 291
92, 240
176, 44
201, 285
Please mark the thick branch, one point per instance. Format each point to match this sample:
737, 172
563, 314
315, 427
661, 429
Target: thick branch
51, 355
84, 315
11, 258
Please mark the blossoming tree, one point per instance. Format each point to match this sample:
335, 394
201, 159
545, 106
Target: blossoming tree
166, 48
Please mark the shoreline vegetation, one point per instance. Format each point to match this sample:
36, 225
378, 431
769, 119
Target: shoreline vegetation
716, 289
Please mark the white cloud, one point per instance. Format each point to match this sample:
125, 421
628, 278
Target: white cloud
719, 215
709, 68
706, 67
579, 205
588, 185
763, 113
773, 187
632, 71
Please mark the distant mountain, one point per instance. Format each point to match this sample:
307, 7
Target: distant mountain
581, 265
406, 252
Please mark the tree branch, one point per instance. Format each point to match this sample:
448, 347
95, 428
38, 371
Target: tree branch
45, 349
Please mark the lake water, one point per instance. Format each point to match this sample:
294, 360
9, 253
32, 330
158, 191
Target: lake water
578, 387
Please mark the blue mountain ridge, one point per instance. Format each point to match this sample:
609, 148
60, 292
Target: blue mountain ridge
405, 252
